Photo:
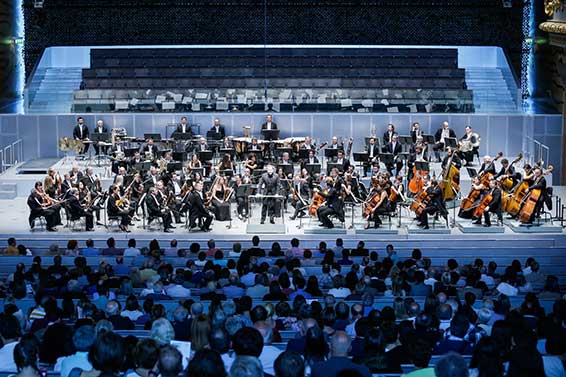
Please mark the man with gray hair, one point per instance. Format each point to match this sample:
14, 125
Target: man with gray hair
451, 365
246, 366
113, 311
181, 324
338, 361
484, 317
196, 309
170, 362
83, 339
269, 353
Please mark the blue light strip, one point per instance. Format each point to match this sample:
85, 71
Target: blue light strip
527, 66
19, 51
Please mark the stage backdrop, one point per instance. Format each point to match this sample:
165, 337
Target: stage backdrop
509, 134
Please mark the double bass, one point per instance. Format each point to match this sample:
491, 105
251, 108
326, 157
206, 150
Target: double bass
474, 195
450, 178
507, 182
530, 201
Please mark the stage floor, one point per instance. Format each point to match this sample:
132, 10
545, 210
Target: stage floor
15, 214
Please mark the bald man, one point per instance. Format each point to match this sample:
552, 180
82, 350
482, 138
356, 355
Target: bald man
338, 361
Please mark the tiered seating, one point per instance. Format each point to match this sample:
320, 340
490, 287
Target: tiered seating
320, 78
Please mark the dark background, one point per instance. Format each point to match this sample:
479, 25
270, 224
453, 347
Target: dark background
379, 22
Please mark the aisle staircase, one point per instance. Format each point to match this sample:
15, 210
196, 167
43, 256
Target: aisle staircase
491, 91
51, 90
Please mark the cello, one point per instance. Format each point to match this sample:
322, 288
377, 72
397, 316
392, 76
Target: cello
416, 183
530, 201
507, 182
420, 202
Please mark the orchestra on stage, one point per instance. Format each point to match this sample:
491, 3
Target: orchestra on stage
195, 179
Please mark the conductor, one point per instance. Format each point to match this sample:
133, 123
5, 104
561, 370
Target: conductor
268, 185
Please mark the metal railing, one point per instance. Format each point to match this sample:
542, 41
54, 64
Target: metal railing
11, 154
536, 151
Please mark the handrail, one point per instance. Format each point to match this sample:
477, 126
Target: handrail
538, 154
11, 155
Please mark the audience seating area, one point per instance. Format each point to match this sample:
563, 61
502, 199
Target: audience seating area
409, 308
297, 79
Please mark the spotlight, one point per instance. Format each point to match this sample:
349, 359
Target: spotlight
38, 3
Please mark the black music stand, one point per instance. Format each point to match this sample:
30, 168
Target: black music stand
422, 165
162, 152
304, 153
386, 158
142, 166
205, 155
174, 166
258, 172
226, 173
332, 165
100, 137
181, 136
313, 169
405, 139
287, 169
154, 136
472, 172
179, 156
362, 158
279, 151
130, 152
330, 153
429, 139
197, 170
270, 134
230, 151
450, 142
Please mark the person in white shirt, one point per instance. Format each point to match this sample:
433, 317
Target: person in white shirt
10, 335
132, 250
83, 339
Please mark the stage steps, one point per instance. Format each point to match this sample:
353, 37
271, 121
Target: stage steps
490, 91
51, 90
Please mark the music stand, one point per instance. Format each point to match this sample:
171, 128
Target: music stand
330, 153
386, 158
198, 170
472, 172
181, 136
162, 152
142, 166
331, 165
422, 165
258, 172
361, 157
154, 136
174, 166
279, 151
450, 142
270, 134
313, 169
429, 139
287, 169
304, 153
226, 173
205, 155
129, 152
97, 138
230, 151
179, 156
405, 139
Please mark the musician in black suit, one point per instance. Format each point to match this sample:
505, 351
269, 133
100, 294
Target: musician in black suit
268, 185
539, 183
150, 148
336, 144
342, 161
80, 132
151, 178
184, 127
301, 195
269, 124
494, 205
198, 212
441, 134
308, 144
217, 130
37, 208
334, 203
77, 211
115, 211
372, 150
201, 146
388, 135
487, 166
311, 159
394, 147
100, 129
416, 131
155, 208
435, 204
506, 171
